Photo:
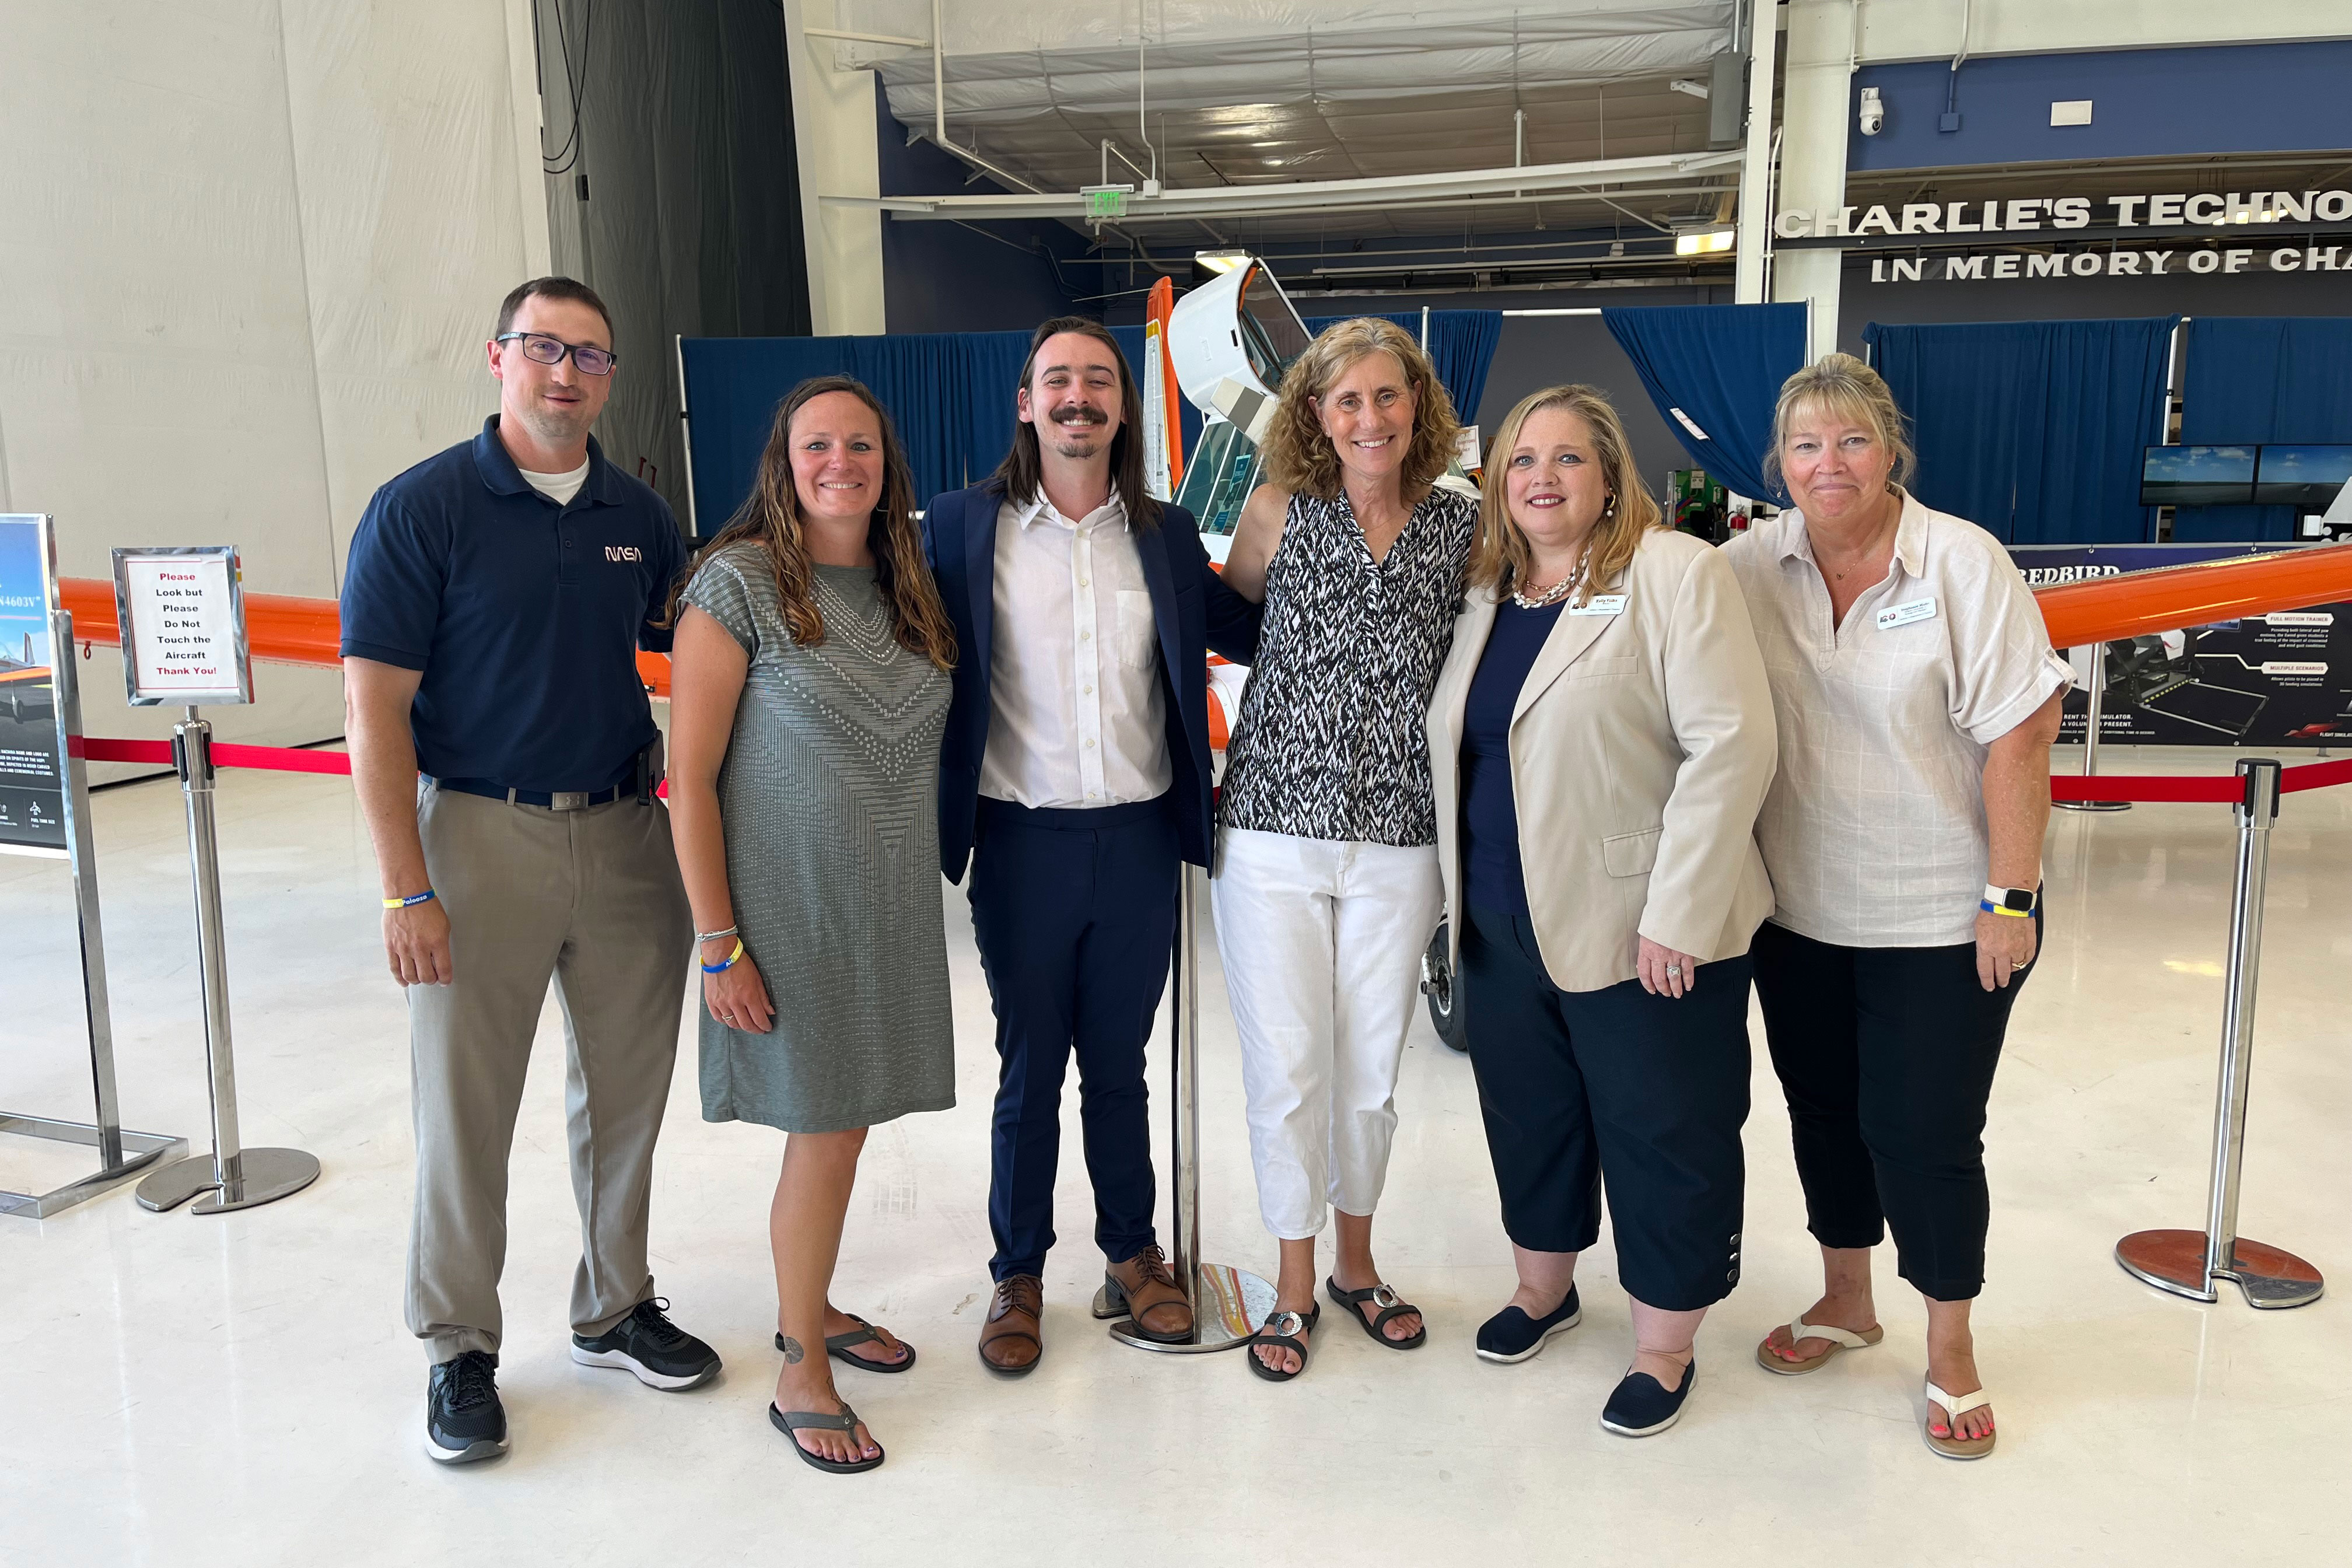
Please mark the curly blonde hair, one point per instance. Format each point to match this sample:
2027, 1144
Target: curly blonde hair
1842, 387
1301, 459
1499, 555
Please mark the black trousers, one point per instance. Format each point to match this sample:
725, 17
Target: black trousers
1075, 914
1644, 1092
1886, 1055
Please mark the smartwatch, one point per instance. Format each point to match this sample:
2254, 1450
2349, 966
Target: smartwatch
2016, 901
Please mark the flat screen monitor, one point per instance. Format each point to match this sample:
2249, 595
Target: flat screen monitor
2197, 475
2301, 476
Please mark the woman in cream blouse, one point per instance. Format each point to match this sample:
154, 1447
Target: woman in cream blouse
1602, 740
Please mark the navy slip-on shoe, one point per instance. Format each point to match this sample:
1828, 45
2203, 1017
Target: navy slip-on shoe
1641, 1407
1510, 1335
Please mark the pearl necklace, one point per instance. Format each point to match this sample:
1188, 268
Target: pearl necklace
1557, 592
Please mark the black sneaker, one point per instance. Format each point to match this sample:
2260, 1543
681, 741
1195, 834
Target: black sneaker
662, 1354
463, 1418
1641, 1408
1511, 1336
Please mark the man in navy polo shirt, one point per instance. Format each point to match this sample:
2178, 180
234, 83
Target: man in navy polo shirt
505, 756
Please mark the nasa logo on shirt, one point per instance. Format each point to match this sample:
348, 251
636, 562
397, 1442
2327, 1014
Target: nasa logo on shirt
624, 552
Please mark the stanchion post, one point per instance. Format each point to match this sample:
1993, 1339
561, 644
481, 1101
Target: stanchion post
2193, 1263
1228, 1304
2092, 714
234, 1176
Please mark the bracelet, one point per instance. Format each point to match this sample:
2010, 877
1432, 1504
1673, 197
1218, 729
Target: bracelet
730, 964
713, 935
413, 900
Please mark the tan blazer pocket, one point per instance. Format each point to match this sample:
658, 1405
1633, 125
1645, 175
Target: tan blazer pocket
1631, 854
1604, 668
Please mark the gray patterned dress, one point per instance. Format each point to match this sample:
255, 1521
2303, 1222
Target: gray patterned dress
829, 794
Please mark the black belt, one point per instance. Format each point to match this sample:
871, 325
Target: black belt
546, 800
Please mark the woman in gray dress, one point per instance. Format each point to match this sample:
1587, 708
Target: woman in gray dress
809, 690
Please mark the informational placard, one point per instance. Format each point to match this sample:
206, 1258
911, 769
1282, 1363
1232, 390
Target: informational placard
182, 615
2274, 681
32, 748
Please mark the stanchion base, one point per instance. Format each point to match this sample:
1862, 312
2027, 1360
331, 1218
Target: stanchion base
2091, 805
1229, 1305
2174, 1261
267, 1176
140, 1150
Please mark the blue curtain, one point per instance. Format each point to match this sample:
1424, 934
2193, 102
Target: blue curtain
951, 394
2263, 378
1461, 345
1715, 372
2033, 430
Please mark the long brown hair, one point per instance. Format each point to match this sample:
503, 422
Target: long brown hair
1300, 459
769, 516
1500, 557
1022, 475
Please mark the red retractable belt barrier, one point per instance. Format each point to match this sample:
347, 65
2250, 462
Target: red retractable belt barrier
275, 759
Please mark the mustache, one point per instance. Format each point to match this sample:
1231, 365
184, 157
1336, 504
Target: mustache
1080, 415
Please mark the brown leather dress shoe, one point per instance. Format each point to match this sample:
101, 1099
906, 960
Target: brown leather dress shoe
1147, 1291
1011, 1338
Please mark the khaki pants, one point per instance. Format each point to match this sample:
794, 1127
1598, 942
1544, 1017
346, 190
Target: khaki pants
593, 899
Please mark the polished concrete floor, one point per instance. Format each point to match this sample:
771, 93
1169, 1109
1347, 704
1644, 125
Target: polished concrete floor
239, 1389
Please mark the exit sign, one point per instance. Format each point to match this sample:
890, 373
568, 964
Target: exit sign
1105, 201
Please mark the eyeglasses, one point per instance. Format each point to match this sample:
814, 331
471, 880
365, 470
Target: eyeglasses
544, 350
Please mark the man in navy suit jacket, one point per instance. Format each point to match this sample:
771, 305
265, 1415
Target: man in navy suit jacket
1073, 777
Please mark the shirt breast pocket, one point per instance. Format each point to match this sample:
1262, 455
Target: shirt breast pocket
1139, 630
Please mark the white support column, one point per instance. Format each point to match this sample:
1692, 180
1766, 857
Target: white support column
1816, 115
1756, 158
531, 138
833, 126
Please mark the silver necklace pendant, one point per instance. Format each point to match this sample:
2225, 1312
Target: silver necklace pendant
1553, 595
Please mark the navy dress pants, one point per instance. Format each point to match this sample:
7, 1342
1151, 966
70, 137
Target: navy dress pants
1074, 912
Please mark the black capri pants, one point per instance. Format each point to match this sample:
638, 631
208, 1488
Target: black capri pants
1644, 1092
1886, 1055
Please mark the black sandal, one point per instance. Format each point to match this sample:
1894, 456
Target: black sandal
1280, 1331
837, 1347
789, 1421
1390, 1304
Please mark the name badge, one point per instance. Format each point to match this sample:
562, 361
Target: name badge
1904, 615
1601, 605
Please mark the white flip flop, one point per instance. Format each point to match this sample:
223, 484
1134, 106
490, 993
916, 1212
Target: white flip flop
1798, 1331
1955, 1406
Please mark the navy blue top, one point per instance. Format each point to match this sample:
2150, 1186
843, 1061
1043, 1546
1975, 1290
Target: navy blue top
524, 617
1491, 877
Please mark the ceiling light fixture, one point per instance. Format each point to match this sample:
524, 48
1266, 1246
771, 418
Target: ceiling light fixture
1221, 260
1703, 241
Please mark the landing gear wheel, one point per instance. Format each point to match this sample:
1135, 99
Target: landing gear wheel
1443, 985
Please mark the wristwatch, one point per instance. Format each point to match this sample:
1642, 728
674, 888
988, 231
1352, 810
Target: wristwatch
2016, 901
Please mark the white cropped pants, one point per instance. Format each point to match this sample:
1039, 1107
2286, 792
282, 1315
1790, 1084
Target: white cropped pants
1321, 942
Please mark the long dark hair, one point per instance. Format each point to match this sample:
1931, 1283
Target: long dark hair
769, 516
1021, 474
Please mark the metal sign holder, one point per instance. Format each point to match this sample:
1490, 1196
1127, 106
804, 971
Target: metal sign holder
2090, 736
2192, 1263
232, 1176
1229, 1304
121, 1152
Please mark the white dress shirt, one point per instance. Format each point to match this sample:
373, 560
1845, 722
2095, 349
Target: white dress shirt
1078, 716
1874, 832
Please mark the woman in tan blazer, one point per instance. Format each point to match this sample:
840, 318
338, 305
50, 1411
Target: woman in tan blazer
1602, 739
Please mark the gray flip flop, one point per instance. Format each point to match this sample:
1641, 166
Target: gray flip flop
837, 1347
790, 1421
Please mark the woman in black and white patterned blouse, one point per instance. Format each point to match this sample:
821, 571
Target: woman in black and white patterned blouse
1326, 884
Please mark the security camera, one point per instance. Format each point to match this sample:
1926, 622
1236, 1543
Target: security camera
1873, 118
